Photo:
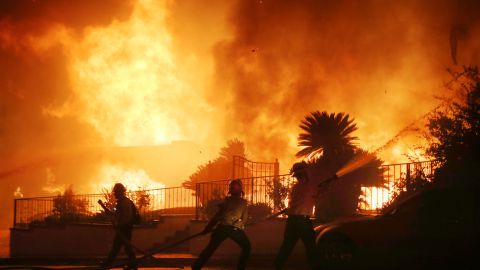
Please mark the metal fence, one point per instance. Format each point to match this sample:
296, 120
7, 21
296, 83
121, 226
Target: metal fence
269, 190
395, 179
244, 168
152, 204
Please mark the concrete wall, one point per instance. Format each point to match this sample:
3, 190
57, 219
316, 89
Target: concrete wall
81, 240
72, 240
265, 238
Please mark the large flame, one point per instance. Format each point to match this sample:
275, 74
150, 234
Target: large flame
130, 84
127, 83
142, 81
374, 198
133, 179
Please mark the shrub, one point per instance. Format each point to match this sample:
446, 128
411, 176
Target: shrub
259, 211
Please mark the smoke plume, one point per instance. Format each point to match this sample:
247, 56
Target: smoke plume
382, 62
79, 79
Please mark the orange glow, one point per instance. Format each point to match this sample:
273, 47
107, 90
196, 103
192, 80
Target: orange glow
396, 151
52, 186
163, 71
134, 179
128, 85
127, 81
138, 82
18, 193
375, 198
406, 150
126, 76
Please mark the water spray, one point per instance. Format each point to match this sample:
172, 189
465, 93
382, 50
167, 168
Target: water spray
355, 163
364, 158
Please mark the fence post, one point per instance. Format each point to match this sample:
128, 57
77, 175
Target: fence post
233, 166
431, 170
197, 191
14, 213
407, 178
276, 168
276, 185
253, 182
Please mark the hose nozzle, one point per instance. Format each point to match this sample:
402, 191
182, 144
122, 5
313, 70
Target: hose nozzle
328, 180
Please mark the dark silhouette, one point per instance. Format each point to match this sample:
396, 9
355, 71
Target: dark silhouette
430, 229
68, 208
299, 224
326, 134
124, 216
327, 139
230, 221
454, 131
457, 33
217, 169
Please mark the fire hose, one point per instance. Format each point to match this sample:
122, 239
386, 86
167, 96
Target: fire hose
123, 238
348, 168
186, 239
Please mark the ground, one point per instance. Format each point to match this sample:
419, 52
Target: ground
170, 261
4, 243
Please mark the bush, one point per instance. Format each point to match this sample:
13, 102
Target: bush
259, 211
454, 131
211, 207
68, 207
277, 192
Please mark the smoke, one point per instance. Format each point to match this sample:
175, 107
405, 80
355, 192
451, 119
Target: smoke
75, 14
380, 61
463, 33
34, 76
81, 78
77, 76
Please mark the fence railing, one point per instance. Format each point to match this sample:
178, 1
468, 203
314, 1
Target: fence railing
269, 190
152, 204
244, 168
395, 179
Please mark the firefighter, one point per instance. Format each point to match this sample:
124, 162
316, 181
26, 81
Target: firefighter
228, 222
124, 218
299, 224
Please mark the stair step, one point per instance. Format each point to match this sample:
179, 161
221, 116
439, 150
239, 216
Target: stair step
177, 236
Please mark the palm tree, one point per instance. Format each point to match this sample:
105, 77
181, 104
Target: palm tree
326, 134
234, 147
217, 169
328, 138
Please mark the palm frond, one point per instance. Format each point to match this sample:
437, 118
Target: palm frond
323, 132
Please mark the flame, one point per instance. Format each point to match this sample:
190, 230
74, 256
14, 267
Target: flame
127, 83
18, 192
133, 179
130, 82
375, 198
396, 150
52, 185
125, 75
405, 151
